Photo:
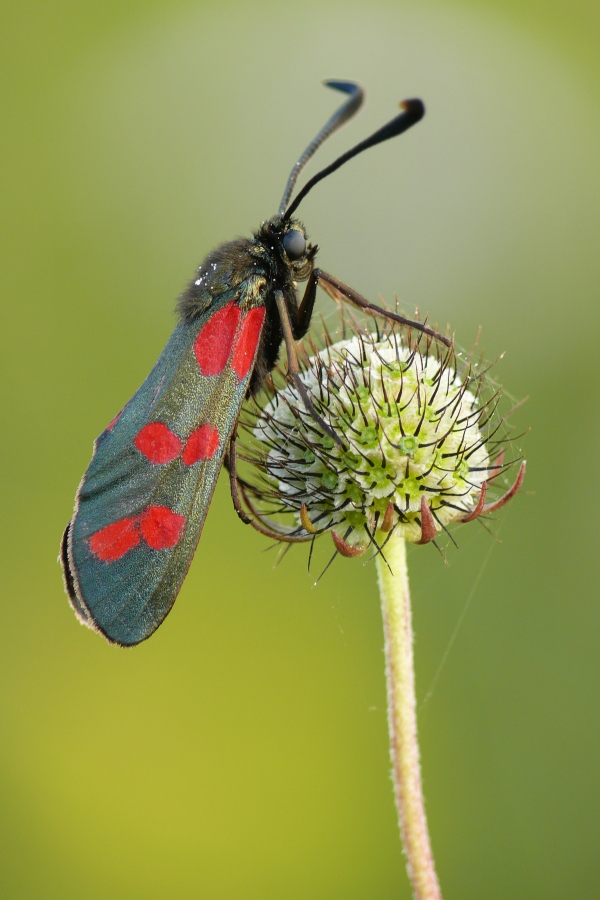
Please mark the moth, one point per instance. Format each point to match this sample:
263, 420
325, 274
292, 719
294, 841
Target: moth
142, 502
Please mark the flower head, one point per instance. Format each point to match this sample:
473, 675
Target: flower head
404, 447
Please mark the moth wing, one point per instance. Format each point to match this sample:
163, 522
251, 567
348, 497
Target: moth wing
141, 504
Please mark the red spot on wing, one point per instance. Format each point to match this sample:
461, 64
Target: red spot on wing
161, 527
114, 421
115, 540
201, 444
247, 342
158, 443
213, 345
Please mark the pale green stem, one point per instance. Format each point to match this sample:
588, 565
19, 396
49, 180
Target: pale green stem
402, 718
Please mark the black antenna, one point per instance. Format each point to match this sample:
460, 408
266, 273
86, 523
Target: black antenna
345, 112
413, 112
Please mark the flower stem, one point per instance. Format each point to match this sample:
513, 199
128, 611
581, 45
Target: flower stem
402, 718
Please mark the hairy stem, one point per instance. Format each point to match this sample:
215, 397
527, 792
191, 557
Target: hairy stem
402, 718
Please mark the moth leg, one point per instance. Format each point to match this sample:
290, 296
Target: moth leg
294, 367
305, 310
231, 465
272, 529
338, 290
262, 525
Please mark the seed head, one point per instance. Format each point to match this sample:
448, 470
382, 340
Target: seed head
410, 452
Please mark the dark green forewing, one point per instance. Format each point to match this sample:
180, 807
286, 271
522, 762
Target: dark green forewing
143, 500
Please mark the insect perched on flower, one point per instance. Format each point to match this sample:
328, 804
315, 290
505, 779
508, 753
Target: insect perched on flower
141, 505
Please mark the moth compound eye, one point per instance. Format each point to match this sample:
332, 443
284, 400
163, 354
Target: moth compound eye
294, 244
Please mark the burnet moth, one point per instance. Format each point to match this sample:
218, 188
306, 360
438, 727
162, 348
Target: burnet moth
141, 505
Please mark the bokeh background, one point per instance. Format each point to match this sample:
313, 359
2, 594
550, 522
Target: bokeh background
242, 751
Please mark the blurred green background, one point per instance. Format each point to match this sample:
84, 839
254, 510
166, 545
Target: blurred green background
242, 752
